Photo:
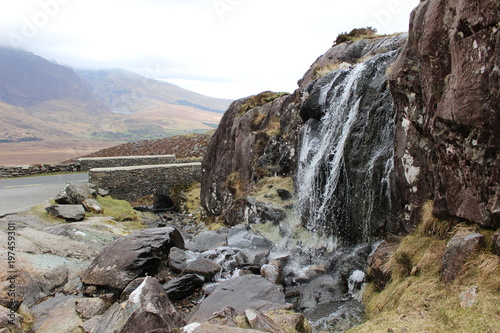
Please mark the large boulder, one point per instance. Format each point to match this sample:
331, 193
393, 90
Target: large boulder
56, 315
133, 256
249, 291
446, 90
147, 310
458, 250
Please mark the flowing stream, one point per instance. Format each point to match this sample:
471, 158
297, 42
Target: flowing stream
344, 185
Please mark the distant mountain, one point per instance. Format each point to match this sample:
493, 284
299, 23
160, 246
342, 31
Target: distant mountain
32, 82
126, 92
44, 101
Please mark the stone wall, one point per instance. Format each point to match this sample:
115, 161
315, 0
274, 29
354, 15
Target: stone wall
37, 169
88, 163
133, 182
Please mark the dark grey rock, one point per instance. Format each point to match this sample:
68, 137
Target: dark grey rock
178, 259
256, 248
70, 213
70, 195
496, 242
284, 194
133, 256
147, 310
202, 266
249, 291
183, 286
207, 240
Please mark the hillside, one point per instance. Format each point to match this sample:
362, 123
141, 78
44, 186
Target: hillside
126, 92
182, 146
45, 106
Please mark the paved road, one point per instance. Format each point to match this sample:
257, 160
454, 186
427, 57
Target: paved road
20, 194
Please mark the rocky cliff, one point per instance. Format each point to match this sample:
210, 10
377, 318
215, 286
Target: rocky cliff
445, 86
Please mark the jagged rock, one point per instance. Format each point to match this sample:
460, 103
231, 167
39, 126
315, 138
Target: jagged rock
256, 248
207, 240
90, 307
249, 291
379, 268
458, 250
70, 213
90, 324
178, 259
70, 195
102, 192
91, 205
262, 322
183, 286
212, 328
225, 317
147, 310
202, 266
136, 255
246, 138
496, 242
445, 87
129, 289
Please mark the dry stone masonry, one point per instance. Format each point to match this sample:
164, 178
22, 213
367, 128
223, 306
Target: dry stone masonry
133, 182
88, 163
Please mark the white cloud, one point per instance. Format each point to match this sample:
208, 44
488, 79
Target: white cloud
224, 48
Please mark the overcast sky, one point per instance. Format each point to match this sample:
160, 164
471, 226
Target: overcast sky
221, 48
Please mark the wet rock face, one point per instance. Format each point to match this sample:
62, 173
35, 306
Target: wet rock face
248, 145
445, 86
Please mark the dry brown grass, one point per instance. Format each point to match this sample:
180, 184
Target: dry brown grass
420, 301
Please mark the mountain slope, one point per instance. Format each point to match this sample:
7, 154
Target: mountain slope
28, 81
126, 92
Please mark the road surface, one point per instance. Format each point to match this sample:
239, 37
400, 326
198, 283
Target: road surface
20, 194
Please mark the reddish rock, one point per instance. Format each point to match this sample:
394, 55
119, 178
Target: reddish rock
458, 250
445, 86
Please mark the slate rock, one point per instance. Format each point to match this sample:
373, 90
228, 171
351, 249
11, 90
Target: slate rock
249, 291
202, 266
70, 213
458, 250
256, 248
70, 195
147, 310
178, 259
207, 240
133, 256
183, 286
56, 315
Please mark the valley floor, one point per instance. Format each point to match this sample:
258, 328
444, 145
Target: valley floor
39, 152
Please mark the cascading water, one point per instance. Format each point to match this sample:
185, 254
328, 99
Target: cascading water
344, 177
344, 184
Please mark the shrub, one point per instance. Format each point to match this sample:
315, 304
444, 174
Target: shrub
355, 34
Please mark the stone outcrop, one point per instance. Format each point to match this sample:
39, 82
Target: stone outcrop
70, 213
147, 310
249, 291
133, 256
255, 138
445, 86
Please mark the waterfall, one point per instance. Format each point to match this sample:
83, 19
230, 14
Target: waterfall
345, 174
